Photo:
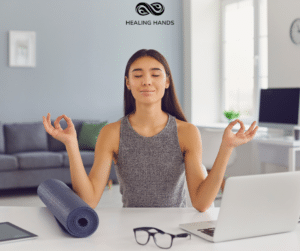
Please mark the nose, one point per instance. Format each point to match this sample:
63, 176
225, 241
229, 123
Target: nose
147, 79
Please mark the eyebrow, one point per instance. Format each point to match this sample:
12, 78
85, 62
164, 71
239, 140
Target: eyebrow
152, 69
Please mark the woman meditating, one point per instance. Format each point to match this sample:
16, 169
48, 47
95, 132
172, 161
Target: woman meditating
153, 147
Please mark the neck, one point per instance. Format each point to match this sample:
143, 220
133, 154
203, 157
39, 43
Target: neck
148, 116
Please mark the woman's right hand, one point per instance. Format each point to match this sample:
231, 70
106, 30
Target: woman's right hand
67, 135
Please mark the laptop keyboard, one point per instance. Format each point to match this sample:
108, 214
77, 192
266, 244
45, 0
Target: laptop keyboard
208, 231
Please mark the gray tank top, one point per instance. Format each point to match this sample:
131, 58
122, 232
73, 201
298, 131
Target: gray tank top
151, 170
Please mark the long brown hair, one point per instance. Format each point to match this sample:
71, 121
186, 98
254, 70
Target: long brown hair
170, 103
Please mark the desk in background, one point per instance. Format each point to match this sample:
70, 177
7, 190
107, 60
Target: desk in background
115, 231
272, 149
278, 150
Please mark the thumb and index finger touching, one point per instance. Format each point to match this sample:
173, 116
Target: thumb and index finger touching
47, 123
67, 119
233, 123
242, 128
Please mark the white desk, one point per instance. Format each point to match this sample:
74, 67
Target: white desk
277, 149
220, 126
115, 231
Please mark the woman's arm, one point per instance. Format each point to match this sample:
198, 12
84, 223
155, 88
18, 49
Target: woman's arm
88, 187
104, 150
203, 191
81, 183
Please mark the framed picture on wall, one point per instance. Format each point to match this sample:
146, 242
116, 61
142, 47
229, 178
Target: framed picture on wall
22, 49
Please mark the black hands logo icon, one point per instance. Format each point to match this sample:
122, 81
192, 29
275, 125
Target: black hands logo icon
144, 9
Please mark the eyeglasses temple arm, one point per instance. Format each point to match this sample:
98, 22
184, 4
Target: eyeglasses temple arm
183, 235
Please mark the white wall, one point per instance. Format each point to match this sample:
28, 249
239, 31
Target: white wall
187, 71
82, 51
203, 85
203, 51
202, 96
284, 55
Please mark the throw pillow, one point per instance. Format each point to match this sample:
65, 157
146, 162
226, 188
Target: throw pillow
89, 134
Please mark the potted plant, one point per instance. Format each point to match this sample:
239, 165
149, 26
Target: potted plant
231, 115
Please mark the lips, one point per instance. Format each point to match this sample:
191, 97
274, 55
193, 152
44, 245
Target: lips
147, 91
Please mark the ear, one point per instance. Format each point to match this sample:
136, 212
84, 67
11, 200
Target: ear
127, 83
167, 83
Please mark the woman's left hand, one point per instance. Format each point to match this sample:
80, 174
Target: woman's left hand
232, 140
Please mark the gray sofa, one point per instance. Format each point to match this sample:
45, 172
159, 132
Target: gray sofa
29, 155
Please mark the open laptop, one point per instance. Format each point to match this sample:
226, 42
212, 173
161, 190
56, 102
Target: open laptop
253, 205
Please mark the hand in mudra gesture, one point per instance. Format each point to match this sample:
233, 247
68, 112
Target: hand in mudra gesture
241, 137
67, 135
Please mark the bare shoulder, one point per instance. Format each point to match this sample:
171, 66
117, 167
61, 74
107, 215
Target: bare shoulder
188, 135
186, 128
112, 128
111, 133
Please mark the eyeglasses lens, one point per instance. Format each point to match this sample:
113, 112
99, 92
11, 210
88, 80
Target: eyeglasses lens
163, 240
141, 236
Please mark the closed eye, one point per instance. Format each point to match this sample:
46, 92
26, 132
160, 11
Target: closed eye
139, 76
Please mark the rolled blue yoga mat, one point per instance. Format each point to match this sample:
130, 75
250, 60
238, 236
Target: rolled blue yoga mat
73, 215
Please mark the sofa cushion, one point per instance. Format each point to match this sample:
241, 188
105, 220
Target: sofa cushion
25, 137
56, 145
86, 156
39, 160
2, 147
8, 162
89, 134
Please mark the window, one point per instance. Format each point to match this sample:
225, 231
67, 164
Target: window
244, 63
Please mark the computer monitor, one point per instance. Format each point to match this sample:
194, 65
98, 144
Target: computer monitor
279, 108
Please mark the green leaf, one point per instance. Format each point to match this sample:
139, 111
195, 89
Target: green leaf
231, 114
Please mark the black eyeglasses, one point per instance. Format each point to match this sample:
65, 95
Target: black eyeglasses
161, 239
